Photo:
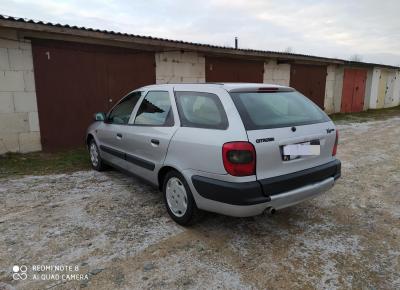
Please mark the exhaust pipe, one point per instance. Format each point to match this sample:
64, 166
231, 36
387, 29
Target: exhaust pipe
269, 211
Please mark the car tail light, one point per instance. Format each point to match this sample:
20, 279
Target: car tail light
239, 158
336, 143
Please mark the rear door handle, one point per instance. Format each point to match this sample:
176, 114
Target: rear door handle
119, 136
155, 142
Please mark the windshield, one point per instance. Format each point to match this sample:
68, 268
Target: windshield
265, 110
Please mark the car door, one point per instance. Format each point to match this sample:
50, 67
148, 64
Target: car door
110, 133
153, 124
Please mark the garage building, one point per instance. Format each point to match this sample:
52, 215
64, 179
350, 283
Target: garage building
54, 77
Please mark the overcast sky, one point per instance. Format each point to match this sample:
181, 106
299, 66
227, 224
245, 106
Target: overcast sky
368, 28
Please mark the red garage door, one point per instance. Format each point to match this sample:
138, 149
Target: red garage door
310, 80
73, 81
234, 70
353, 92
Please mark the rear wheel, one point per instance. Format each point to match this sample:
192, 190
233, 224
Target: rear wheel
179, 199
95, 158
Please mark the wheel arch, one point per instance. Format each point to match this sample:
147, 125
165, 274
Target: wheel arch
162, 173
89, 138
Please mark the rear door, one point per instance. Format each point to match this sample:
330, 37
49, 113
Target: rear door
151, 128
276, 119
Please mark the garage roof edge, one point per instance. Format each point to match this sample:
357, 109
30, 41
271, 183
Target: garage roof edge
65, 29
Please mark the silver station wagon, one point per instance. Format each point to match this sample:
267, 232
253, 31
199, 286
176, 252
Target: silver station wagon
236, 149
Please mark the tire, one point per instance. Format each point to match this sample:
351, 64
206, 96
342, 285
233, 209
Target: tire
95, 158
173, 200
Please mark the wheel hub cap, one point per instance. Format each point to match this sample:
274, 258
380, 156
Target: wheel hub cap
176, 197
94, 155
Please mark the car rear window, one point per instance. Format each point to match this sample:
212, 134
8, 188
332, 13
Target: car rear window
265, 110
201, 110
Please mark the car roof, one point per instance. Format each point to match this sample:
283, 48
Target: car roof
226, 86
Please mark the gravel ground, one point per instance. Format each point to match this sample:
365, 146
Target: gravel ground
115, 231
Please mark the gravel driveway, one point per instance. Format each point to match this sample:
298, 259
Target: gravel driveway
115, 231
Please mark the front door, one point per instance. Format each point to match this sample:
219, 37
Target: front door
111, 132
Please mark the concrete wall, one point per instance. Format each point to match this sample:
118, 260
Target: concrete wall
368, 89
385, 88
276, 73
330, 89
373, 94
180, 67
391, 97
338, 88
396, 89
19, 123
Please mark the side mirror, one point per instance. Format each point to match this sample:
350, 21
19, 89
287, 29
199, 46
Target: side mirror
99, 116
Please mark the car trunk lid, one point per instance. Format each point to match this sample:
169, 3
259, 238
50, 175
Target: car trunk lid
275, 117
269, 145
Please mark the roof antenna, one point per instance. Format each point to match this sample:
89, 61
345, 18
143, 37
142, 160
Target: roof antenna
236, 42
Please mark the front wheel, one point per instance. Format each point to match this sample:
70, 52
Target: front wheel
179, 199
95, 158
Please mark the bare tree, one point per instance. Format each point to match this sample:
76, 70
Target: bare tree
355, 57
289, 49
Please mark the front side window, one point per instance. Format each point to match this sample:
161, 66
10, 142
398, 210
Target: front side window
265, 110
121, 113
155, 110
201, 110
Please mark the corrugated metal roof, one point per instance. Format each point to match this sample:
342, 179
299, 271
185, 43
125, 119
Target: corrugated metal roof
278, 54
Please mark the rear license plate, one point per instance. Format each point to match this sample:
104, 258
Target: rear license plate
303, 149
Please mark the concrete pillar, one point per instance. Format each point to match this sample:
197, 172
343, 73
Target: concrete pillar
180, 67
19, 122
278, 74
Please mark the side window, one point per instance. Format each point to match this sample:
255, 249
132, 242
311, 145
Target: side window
201, 110
155, 110
121, 113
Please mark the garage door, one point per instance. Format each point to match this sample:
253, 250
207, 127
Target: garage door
234, 70
73, 81
310, 80
353, 92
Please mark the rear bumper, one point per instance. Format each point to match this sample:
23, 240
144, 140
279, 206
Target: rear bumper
252, 198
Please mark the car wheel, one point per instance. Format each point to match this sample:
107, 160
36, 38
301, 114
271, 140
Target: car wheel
179, 199
95, 158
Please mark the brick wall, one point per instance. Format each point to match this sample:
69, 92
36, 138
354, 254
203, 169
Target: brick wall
19, 123
180, 67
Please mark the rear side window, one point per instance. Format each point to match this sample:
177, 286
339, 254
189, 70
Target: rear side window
265, 110
155, 110
201, 110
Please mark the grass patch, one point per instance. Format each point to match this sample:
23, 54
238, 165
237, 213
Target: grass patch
365, 116
39, 163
